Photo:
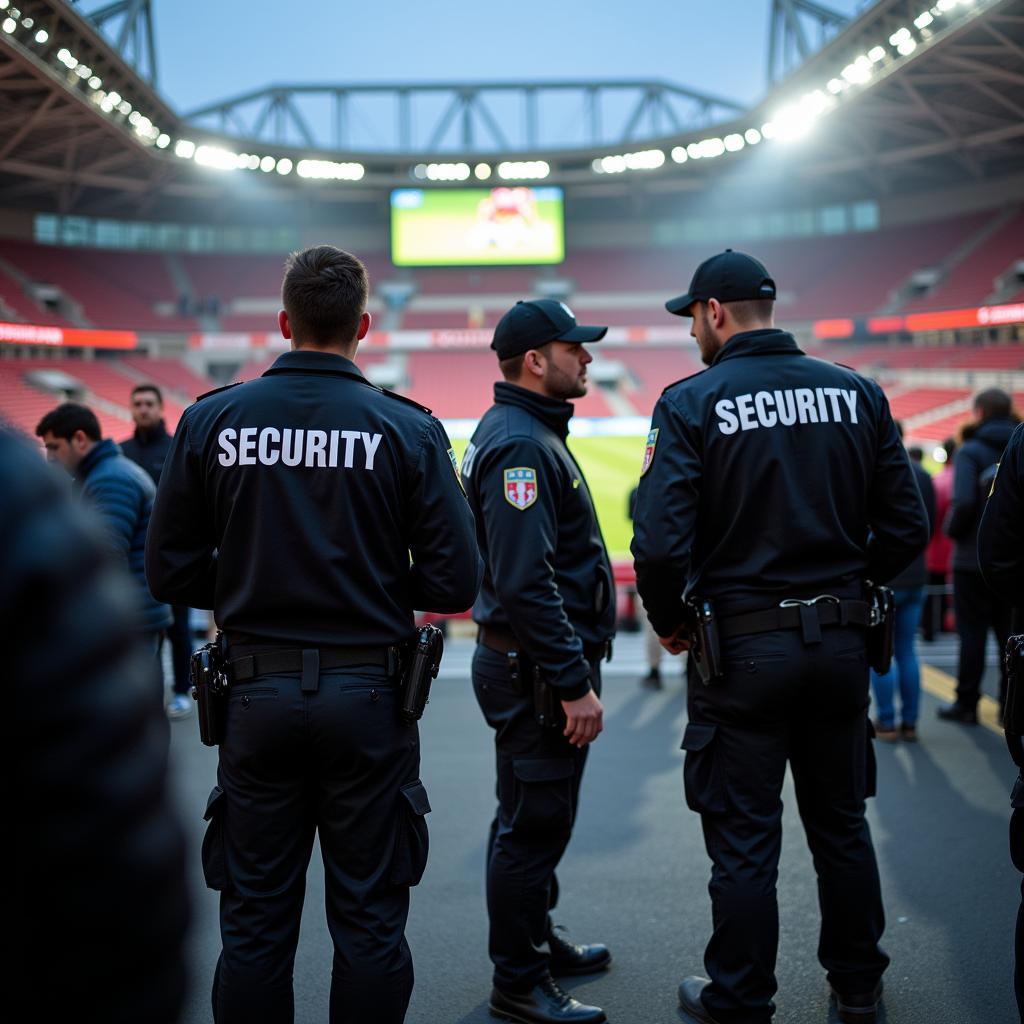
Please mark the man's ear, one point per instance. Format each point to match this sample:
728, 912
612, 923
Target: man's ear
717, 310
533, 363
364, 326
284, 326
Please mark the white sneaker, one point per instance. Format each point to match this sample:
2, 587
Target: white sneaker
179, 707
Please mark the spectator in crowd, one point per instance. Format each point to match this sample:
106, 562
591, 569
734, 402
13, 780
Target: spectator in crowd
908, 596
100, 904
148, 448
939, 555
977, 609
652, 645
120, 492
1001, 559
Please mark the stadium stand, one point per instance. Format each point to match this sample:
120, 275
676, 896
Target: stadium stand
169, 374
17, 306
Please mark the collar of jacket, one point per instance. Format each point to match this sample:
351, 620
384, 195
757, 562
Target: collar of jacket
100, 452
769, 341
148, 436
308, 360
552, 412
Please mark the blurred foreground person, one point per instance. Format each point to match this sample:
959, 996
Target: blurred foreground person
546, 614
148, 447
120, 492
978, 610
939, 553
652, 642
904, 675
100, 899
1001, 558
773, 486
290, 505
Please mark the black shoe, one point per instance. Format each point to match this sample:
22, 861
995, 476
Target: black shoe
858, 1008
959, 713
651, 681
545, 1004
690, 1003
570, 958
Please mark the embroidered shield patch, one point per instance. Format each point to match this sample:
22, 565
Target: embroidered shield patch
652, 440
521, 487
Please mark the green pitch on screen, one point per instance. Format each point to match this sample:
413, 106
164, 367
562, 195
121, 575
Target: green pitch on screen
612, 468
466, 227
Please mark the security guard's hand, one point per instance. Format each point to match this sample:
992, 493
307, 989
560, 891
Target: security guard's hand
678, 642
584, 719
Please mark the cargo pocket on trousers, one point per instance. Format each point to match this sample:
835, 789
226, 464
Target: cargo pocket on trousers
702, 773
412, 841
543, 794
214, 860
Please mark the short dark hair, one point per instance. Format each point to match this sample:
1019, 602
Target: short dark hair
949, 446
747, 311
324, 294
512, 367
66, 420
148, 387
994, 403
916, 452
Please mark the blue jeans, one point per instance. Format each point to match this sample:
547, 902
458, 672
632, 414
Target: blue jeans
905, 670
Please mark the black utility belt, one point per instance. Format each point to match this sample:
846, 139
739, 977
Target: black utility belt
797, 614
502, 641
250, 666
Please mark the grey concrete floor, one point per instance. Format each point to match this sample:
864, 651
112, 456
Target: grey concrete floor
636, 873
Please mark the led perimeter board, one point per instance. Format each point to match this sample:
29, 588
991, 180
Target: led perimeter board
508, 224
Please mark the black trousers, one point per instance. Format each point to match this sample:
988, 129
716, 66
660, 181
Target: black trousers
340, 762
1017, 856
181, 648
977, 611
539, 774
783, 701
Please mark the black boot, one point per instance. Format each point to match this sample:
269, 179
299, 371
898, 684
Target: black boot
959, 713
544, 1004
858, 1008
569, 958
690, 990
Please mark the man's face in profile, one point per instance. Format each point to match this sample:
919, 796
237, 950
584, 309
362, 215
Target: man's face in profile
66, 453
147, 409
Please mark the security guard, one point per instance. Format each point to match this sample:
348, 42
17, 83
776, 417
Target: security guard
1001, 558
546, 614
773, 486
290, 506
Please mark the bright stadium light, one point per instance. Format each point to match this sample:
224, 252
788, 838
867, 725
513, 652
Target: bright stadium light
753, 136
284, 166
95, 82
9, 25
163, 140
215, 157
42, 36
4, 4
330, 169
899, 36
734, 143
679, 154
876, 54
267, 164
420, 172
185, 149
523, 170
924, 19
482, 172
907, 47
447, 172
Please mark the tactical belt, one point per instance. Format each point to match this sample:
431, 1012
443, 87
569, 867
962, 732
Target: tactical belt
808, 616
502, 641
296, 660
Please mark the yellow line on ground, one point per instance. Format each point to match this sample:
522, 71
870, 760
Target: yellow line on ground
940, 684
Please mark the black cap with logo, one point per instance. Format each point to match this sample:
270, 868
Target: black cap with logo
534, 323
729, 277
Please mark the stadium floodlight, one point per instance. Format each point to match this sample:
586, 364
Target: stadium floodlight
710, 148
420, 172
4, 4
753, 136
9, 25
899, 36
734, 143
835, 86
163, 140
25, 22
679, 154
523, 170
907, 47
330, 169
42, 36
215, 157
267, 164
643, 160
945, 6
284, 166
124, 107
447, 171
185, 149
876, 54
482, 171
95, 82
924, 19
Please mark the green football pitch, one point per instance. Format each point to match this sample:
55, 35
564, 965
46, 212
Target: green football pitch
612, 468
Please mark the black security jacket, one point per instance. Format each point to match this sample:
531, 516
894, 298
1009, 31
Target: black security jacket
148, 449
773, 475
1001, 533
313, 487
547, 576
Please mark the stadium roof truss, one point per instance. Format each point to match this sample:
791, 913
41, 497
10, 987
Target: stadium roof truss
910, 94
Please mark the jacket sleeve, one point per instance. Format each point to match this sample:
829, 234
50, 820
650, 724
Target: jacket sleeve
666, 518
1001, 533
98, 847
521, 544
896, 511
181, 562
446, 565
963, 508
118, 503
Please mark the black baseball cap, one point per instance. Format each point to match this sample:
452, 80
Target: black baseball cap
729, 277
535, 322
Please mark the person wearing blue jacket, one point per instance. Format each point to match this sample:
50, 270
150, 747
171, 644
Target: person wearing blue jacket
118, 490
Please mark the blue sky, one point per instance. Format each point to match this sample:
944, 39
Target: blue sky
213, 49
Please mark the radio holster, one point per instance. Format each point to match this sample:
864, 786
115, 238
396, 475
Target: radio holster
422, 662
207, 670
705, 641
881, 628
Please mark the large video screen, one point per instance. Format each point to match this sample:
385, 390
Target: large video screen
514, 224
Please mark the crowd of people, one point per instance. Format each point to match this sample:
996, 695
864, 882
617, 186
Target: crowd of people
279, 502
